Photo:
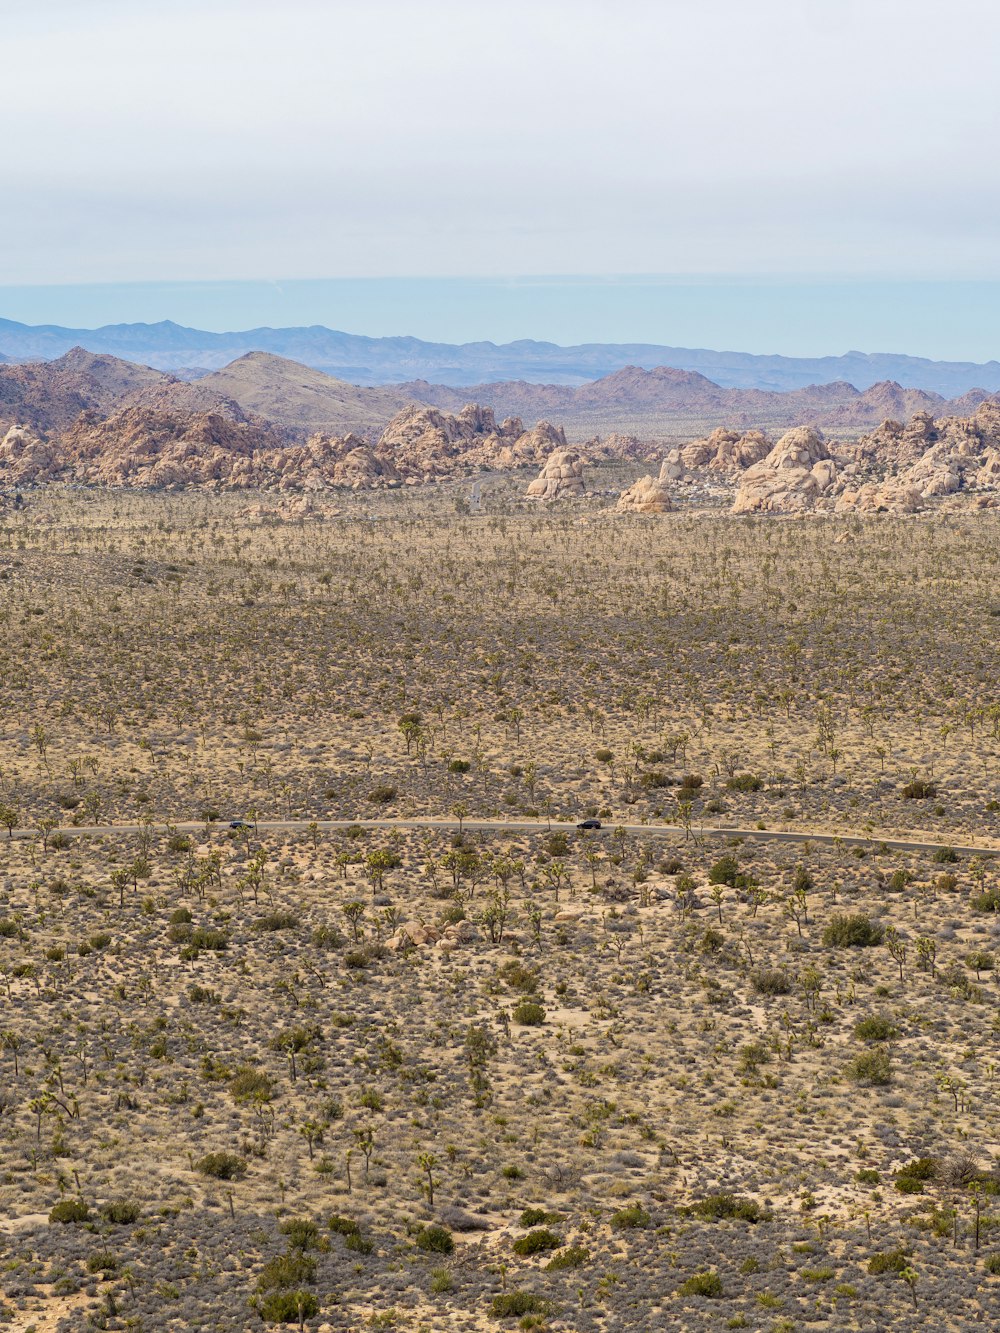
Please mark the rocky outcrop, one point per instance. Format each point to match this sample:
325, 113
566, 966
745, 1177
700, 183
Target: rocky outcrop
560, 479
649, 495
26, 458
792, 477
902, 468
726, 451
426, 442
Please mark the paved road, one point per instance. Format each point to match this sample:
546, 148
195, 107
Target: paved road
528, 826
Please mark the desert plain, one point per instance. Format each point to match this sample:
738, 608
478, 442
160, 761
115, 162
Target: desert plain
317, 1008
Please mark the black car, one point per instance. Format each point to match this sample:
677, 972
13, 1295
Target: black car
589, 823
239, 824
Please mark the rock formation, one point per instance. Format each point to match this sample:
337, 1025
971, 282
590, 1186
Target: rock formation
900, 468
561, 478
727, 451
796, 473
649, 495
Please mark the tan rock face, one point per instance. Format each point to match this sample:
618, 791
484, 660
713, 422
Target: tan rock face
561, 478
796, 472
25, 458
726, 450
155, 446
649, 495
933, 459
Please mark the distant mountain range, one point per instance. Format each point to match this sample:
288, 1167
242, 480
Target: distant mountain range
295, 401
382, 361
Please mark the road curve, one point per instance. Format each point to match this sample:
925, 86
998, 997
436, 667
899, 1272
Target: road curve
522, 826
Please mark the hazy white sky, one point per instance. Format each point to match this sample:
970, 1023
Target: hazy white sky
302, 138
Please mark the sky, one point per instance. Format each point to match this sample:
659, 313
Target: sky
208, 153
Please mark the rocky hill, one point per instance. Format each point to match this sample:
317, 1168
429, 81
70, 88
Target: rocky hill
668, 402
141, 445
49, 396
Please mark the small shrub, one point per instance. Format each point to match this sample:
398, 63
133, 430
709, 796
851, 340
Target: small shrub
876, 1028
277, 920
724, 871
537, 1217
358, 1243
441, 1281
251, 1085
302, 1232
513, 1303
888, 1261
344, 1226
911, 1178
222, 1166
918, 790
702, 1284
537, 1242
69, 1210
992, 1264
715, 1207
434, 1239
288, 1307
744, 782
528, 1013
771, 981
853, 931
123, 1212
574, 1256
871, 1068
868, 1176
382, 795
103, 1262
632, 1218
945, 856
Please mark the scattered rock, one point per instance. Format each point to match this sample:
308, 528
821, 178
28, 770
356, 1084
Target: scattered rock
796, 472
561, 478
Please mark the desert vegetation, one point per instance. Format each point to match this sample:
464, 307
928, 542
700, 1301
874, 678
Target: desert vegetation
457, 1077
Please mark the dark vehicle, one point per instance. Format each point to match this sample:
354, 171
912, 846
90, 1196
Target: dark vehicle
589, 823
239, 824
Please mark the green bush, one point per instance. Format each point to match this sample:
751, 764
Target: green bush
715, 1207
771, 981
867, 1176
992, 1264
222, 1166
888, 1261
343, 1226
121, 1211
744, 782
382, 795
251, 1085
911, 1178
918, 790
988, 901
871, 1068
853, 931
537, 1242
69, 1210
702, 1284
628, 1219
945, 856
286, 1270
288, 1307
302, 1232
359, 1244
434, 1239
724, 871
528, 1013
277, 920
537, 1217
574, 1256
513, 1303
876, 1028
103, 1262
